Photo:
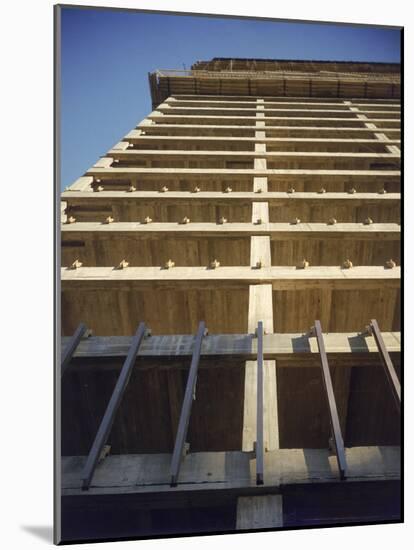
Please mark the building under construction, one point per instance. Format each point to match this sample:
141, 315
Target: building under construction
231, 306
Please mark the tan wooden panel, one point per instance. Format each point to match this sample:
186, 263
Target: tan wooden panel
110, 250
169, 311
338, 310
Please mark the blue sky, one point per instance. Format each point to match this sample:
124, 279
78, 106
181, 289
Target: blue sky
107, 54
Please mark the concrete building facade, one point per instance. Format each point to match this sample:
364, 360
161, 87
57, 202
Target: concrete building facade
252, 222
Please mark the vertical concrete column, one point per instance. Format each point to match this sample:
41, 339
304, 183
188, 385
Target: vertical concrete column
267, 510
260, 182
259, 512
260, 309
370, 125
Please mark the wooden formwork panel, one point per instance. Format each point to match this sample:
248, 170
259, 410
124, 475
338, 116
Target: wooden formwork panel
334, 251
160, 130
356, 145
352, 307
303, 413
206, 144
313, 210
208, 120
199, 111
108, 250
367, 181
189, 162
338, 310
372, 414
275, 131
116, 308
297, 162
165, 311
174, 183
246, 144
272, 128
335, 183
136, 209
147, 419
366, 408
246, 103
314, 163
139, 248
269, 119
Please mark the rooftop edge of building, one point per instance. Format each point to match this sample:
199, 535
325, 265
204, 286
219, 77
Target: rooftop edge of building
278, 78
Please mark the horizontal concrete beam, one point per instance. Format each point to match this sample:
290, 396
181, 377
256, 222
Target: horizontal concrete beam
281, 278
268, 127
241, 346
286, 101
149, 473
172, 109
346, 120
273, 197
136, 136
125, 172
277, 231
295, 155
254, 97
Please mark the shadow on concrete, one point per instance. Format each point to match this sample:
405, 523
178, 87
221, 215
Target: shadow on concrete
358, 344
